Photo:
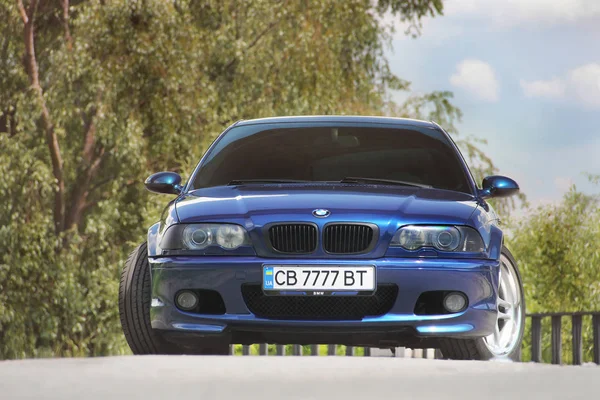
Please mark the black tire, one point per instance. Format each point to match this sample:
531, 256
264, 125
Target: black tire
476, 349
134, 310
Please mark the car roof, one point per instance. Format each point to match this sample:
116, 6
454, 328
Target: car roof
339, 118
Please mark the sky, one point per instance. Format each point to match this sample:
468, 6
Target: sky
526, 74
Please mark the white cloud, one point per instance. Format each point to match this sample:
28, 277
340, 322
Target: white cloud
581, 84
554, 88
585, 84
514, 12
478, 78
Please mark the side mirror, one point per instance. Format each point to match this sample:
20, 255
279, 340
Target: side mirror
498, 186
164, 182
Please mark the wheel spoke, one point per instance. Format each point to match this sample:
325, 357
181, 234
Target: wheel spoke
504, 304
497, 335
504, 315
500, 282
506, 331
512, 284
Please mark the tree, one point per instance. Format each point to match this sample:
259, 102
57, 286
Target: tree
560, 261
95, 95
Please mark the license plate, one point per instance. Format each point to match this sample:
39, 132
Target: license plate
318, 278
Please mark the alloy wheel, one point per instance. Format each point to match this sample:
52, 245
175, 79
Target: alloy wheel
506, 334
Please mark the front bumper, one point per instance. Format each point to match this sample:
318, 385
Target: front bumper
478, 279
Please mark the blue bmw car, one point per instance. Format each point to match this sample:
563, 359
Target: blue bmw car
363, 231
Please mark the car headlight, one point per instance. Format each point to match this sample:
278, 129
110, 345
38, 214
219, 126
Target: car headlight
203, 236
443, 238
231, 236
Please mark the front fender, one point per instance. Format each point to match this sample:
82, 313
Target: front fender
156, 231
486, 221
496, 239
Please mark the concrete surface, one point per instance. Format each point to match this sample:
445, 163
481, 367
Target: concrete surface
254, 377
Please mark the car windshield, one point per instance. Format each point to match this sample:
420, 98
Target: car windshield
288, 153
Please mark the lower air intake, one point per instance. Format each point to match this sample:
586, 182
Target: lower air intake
319, 307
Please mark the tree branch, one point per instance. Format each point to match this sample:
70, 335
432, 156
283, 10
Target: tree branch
105, 196
28, 17
256, 39
89, 138
22, 11
92, 156
101, 183
81, 190
254, 42
68, 38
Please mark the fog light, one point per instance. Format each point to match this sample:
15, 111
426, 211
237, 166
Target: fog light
186, 300
455, 302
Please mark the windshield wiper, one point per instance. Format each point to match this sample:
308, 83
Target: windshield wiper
262, 181
351, 179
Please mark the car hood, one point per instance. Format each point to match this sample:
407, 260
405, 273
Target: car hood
386, 205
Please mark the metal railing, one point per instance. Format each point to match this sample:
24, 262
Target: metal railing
556, 336
556, 342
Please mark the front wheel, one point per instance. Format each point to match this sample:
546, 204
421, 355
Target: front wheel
134, 310
505, 341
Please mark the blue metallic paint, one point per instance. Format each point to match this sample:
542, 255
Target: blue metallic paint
389, 207
164, 182
156, 232
476, 278
498, 186
255, 206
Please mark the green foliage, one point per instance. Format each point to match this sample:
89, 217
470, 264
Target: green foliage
559, 260
130, 87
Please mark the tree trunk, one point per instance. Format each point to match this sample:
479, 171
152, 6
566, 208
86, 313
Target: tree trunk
28, 17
